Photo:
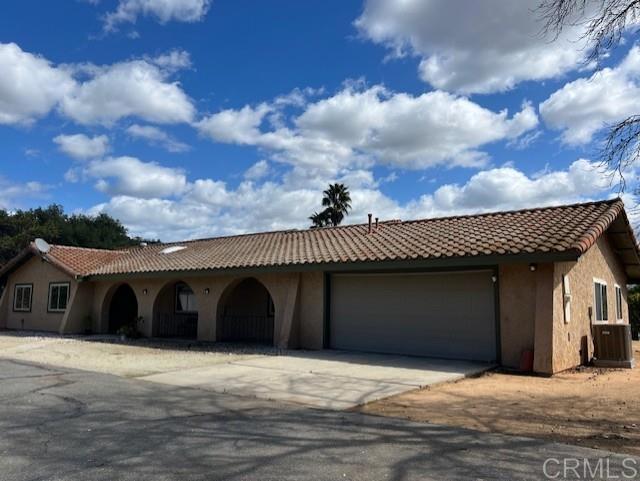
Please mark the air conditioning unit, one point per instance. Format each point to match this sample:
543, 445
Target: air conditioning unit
612, 345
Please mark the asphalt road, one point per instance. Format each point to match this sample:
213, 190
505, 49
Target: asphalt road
59, 424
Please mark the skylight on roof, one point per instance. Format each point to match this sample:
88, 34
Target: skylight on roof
172, 249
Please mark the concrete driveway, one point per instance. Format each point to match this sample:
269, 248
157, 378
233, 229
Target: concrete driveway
326, 379
59, 424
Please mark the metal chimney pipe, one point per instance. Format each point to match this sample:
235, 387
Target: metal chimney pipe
370, 216
376, 223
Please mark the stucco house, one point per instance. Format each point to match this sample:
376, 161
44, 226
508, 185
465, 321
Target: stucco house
480, 287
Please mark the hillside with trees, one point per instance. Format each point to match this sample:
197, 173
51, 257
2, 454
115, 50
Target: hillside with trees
18, 228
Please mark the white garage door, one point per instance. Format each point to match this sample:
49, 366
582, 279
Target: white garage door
448, 315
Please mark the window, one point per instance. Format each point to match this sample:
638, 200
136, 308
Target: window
58, 296
601, 301
618, 303
185, 299
22, 297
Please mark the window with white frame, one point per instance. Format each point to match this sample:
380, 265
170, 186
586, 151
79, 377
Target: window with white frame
185, 299
618, 303
22, 295
58, 296
601, 313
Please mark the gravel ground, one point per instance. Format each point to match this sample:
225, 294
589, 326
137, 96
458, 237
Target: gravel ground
131, 358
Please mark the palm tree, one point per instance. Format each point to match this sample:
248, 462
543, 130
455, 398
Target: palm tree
337, 201
320, 219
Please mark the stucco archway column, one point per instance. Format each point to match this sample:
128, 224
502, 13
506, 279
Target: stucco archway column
208, 291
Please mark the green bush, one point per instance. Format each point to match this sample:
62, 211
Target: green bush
130, 331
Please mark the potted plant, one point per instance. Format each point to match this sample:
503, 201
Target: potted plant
128, 331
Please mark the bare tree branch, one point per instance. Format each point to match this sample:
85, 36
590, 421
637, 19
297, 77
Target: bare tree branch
604, 23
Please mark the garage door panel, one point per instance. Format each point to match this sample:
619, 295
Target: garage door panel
440, 315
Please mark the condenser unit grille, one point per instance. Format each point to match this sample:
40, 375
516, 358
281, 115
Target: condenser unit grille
612, 345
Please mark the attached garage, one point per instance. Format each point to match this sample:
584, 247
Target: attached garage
445, 314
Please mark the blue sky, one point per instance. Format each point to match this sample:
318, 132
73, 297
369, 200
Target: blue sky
190, 118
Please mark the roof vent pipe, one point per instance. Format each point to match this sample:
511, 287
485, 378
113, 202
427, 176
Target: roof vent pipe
370, 216
376, 223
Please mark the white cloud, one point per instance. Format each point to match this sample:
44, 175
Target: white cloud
14, 194
235, 126
582, 107
163, 11
29, 85
470, 46
135, 88
82, 147
258, 170
362, 126
130, 176
209, 207
172, 61
509, 188
156, 136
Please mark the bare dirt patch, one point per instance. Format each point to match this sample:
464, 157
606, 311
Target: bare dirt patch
132, 358
598, 408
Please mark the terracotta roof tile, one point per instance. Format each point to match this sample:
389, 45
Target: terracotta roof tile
81, 260
542, 230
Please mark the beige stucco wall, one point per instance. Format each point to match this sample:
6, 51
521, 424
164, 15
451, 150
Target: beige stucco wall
78, 318
526, 314
40, 274
297, 298
569, 338
532, 308
517, 312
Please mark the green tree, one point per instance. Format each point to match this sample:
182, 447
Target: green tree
337, 203
19, 228
320, 219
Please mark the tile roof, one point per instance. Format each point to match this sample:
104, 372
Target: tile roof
570, 229
80, 261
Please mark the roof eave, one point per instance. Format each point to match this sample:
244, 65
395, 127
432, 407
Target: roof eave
481, 261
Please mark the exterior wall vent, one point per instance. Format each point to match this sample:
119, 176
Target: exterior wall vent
612, 343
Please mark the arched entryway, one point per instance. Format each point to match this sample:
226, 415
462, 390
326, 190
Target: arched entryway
246, 313
175, 312
123, 308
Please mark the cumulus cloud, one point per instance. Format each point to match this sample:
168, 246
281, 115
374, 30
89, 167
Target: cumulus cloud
129, 176
258, 170
172, 61
29, 85
361, 126
509, 188
135, 88
163, 11
209, 207
156, 136
14, 194
583, 107
82, 147
235, 126
491, 47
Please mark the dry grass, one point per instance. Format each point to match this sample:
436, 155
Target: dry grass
592, 407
